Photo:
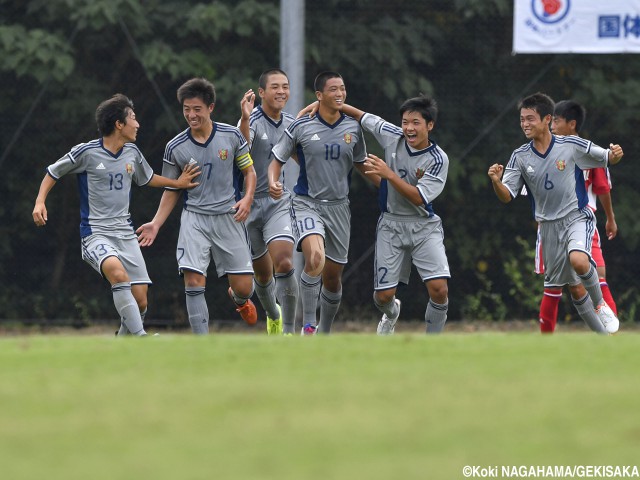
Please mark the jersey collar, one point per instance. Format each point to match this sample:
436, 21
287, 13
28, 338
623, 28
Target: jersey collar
543, 155
334, 125
269, 119
205, 144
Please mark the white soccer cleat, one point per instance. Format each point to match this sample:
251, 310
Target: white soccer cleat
609, 320
386, 326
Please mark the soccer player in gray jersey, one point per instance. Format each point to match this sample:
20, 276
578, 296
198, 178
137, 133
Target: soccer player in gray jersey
211, 225
327, 146
550, 167
106, 169
269, 224
411, 178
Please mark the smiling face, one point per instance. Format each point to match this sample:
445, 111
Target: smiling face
276, 93
333, 94
197, 113
129, 129
532, 125
416, 130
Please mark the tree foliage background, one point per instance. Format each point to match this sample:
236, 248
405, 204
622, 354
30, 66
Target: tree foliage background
59, 59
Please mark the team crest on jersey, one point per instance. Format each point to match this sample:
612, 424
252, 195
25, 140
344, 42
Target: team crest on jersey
129, 168
561, 164
347, 138
419, 173
223, 154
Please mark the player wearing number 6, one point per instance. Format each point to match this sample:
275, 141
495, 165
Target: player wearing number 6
106, 169
550, 168
327, 146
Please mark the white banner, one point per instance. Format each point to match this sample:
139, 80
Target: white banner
576, 26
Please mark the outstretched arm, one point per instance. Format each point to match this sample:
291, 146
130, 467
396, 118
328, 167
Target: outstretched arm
495, 174
147, 233
40, 210
352, 112
184, 181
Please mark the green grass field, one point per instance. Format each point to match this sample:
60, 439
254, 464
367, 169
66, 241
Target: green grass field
349, 406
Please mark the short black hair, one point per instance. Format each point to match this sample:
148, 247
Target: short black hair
322, 78
197, 88
540, 102
425, 106
571, 110
264, 77
111, 111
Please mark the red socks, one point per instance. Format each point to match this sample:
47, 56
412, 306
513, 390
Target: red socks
549, 309
606, 294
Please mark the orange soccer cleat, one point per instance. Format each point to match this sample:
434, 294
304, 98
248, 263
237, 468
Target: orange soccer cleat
247, 311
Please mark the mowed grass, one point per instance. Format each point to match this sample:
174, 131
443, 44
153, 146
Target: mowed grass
348, 406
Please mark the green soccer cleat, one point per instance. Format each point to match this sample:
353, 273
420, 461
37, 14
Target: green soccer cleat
274, 327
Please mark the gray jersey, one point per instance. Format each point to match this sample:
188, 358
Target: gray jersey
425, 169
225, 150
264, 134
554, 178
326, 154
104, 183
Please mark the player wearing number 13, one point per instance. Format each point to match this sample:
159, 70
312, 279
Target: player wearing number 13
550, 167
327, 146
106, 169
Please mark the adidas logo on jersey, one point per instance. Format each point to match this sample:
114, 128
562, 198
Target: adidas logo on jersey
315, 137
264, 136
192, 161
393, 155
530, 169
100, 167
287, 229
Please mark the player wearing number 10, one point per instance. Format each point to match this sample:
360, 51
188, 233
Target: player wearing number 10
106, 168
327, 146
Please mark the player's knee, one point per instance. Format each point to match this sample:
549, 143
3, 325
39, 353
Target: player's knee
383, 297
579, 262
315, 263
438, 291
283, 263
243, 287
263, 278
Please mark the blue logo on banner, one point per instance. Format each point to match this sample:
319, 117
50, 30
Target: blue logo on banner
550, 11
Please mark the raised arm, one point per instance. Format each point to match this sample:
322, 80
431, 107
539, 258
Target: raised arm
615, 153
495, 174
246, 107
40, 210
